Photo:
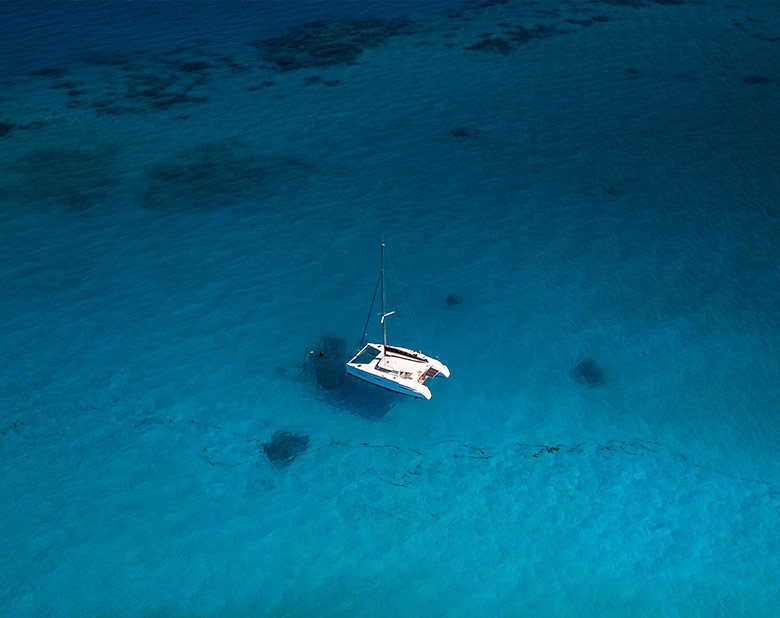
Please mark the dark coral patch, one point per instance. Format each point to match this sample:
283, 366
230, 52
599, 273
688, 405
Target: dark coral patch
176, 98
633, 3
585, 23
195, 66
37, 124
213, 176
68, 85
494, 44
284, 447
512, 38
752, 80
588, 373
157, 85
539, 31
323, 44
77, 178
459, 132
54, 72
161, 91
453, 300
639, 3
14, 428
104, 59
110, 108
5, 128
232, 64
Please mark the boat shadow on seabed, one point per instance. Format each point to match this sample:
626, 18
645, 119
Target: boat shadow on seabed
326, 365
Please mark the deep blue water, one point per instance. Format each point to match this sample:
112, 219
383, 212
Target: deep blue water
580, 203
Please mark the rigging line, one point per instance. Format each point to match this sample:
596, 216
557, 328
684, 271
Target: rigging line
407, 308
370, 311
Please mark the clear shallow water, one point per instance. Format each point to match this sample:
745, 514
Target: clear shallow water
177, 236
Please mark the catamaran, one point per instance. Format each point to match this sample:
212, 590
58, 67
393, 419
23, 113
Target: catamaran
398, 369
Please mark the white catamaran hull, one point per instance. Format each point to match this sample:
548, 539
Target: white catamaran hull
397, 369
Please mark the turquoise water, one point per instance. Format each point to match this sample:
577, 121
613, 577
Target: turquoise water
192, 199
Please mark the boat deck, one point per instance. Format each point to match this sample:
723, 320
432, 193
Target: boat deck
409, 368
397, 369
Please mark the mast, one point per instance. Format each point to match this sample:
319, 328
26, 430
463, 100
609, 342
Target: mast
384, 315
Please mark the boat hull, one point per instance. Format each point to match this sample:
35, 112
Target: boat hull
419, 391
396, 369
